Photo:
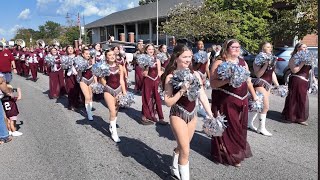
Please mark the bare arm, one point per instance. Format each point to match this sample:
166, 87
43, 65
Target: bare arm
203, 98
275, 79
207, 68
215, 82
258, 70
122, 75
159, 68
169, 98
19, 93
293, 67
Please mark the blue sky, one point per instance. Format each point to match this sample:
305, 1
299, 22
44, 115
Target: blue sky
17, 14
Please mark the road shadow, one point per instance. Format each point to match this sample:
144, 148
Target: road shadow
200, 143
132, 113
276, 116
165, 131
98, 123
146, 156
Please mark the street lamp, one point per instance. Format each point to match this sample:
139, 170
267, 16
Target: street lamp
85, 35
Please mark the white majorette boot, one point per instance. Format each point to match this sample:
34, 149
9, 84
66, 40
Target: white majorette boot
262, 125
89, 112
184, 171
174, 168
113, 130
251, 117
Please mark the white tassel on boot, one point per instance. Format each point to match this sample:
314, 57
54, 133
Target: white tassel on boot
184, 171
113, 130
262, 125
251, 117
89, 113
174, 168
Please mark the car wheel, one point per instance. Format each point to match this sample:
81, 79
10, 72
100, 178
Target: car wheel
286, 77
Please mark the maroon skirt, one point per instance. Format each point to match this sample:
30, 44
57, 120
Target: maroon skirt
138, 78
151, 100
73, 90
296, 108
232, 147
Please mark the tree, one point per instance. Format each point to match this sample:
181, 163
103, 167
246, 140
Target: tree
218, 20
70, 34
293, 18
50, 30
143, 2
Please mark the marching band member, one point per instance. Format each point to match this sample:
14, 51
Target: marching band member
56, 79
86, 78
263, 83
163, 49
151, 100
17, 54
113, 85
138, 70
121, 59
296, 108
99, 57
41, 53
72, 86
32, 63
232, 147
23, 59
183, 118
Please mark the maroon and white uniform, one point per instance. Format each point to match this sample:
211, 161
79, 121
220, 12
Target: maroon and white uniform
9, 105
56, 79
41, 54
113, 82
32, 62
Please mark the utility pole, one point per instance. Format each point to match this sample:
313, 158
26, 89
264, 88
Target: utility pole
85, 33
157, 23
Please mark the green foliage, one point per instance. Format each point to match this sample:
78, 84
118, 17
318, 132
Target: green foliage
70, 34
249, 21
299, 20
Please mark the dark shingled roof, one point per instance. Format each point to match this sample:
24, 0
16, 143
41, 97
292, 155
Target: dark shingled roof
140, 13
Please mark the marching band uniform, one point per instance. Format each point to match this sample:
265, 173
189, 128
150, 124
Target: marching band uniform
56, 79
32, 62
296, 108
151, 100
138, 74
17, 53
113, 85
41, 54
264, 81
73, 88
232, 147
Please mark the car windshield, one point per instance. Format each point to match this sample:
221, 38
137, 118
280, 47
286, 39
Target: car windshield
283, 52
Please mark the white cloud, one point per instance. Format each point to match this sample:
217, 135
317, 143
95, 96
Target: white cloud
130, 5
24, 14
67, 5
91, 9
14, 29
2, 31
43, 3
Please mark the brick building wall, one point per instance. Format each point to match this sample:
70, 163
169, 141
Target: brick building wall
310, 40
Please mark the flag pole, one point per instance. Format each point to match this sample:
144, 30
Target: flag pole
80, 41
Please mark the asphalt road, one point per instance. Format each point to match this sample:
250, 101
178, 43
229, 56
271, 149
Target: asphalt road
62, 144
